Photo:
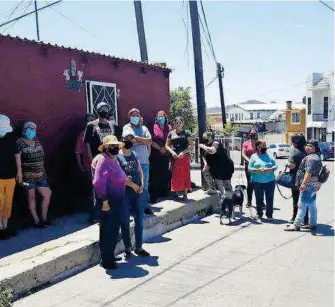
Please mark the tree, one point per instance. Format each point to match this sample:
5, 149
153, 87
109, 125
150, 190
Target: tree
229, 130
180, 105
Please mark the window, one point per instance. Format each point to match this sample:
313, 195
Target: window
295, 118
227, 115
309, 105
258, 115
236, 116
239, 116
242, 116
251, 115
325, 107
272, 146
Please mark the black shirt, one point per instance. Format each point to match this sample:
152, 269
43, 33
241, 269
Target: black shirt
8, 149
220, 165
296, 156
179, 140
95, 133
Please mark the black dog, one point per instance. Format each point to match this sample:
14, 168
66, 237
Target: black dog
231, 200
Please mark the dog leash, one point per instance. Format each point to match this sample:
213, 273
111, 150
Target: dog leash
281, 194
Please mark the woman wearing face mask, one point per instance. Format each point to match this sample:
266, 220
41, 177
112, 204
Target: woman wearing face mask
33, 172
109, 182
130, 164
180, 144
248, 149
309, 185
262, 167
160, 158
297, 154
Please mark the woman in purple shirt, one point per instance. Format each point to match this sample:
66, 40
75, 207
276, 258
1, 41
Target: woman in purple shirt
109, 182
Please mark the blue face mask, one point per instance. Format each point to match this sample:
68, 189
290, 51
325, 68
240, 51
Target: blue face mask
161, 120
134, 120
30, 134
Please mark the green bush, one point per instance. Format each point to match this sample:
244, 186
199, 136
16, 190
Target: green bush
6, 296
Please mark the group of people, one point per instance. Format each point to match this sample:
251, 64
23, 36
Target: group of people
117, 164
305, 166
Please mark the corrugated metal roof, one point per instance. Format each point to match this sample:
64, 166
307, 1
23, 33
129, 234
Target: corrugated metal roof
28, 41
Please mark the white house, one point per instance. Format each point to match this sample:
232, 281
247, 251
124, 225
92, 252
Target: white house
263, 112
320, 106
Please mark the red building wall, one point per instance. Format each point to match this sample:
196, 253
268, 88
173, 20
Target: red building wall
32, 88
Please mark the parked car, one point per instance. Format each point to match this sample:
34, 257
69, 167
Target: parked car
327, 150
279, 150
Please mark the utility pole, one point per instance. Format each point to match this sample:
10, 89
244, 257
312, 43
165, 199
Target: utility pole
220, 72
199, 78
37, 24
140, 31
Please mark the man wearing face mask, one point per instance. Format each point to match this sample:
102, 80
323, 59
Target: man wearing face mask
130, 164
97, 129
141, 143
217, 162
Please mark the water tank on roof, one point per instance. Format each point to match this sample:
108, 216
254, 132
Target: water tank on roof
317, 77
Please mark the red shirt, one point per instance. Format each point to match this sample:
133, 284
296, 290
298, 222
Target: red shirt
81, 148
248, 148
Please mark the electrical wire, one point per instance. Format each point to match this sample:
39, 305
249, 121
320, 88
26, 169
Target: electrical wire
326, 5
186, 25
211, 81
11, 14
76, 24
208, 32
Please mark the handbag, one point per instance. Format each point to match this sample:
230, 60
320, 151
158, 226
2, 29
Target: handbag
285, 179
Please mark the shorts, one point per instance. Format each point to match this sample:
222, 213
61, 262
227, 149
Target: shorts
39, 184
7, 187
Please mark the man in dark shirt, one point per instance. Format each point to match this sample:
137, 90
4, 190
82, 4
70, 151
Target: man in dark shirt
10, 167
217, 162
96, 130
297, 154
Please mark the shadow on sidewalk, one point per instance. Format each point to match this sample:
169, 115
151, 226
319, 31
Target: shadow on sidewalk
131, 269
30, 237
323, 230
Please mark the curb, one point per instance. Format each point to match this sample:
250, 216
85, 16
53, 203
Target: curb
58, 259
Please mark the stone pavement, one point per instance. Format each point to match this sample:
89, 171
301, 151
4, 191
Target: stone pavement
207, 264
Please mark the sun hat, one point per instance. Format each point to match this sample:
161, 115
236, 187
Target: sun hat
5, 126
110, 140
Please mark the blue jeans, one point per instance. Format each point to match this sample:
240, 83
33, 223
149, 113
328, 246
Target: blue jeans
110, 223
268, 189
132, 202
307, 200
144, 198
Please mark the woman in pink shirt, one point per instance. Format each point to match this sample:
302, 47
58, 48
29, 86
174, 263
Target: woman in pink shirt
248, 149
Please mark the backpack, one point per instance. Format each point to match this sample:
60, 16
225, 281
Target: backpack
324, 174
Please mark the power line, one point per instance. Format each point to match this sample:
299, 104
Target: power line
326, 5
208, 32
14, 10
211, 81
76, 24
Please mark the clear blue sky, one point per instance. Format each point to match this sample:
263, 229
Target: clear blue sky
264, 46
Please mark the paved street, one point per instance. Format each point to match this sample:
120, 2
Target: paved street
207, 264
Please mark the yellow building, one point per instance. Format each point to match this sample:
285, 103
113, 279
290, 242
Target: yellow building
295, 121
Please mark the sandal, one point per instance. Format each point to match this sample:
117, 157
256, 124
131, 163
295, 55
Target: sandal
292, 228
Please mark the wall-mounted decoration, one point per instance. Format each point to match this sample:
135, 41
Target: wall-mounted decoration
73, 77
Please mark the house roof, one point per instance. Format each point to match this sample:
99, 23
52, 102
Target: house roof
41, 43
270, 106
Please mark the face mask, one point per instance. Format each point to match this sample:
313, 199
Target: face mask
253, 136
113, 150
134, 120
30, 134
161, 120
104, 113
263, 150
128, 144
